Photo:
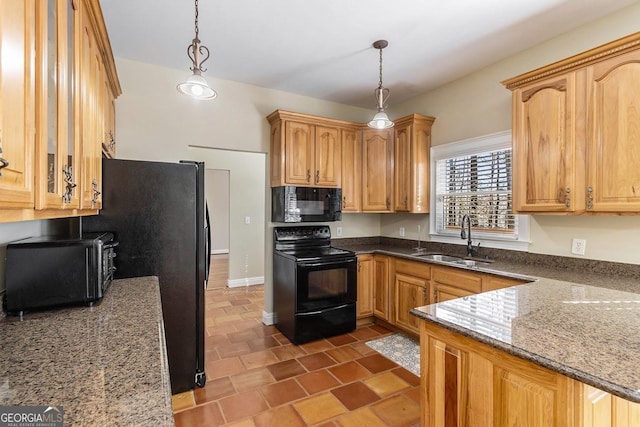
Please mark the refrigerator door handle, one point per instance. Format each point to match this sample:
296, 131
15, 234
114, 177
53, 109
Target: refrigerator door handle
208, 243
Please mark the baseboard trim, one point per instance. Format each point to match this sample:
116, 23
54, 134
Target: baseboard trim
248, 281
268, 318
219, 251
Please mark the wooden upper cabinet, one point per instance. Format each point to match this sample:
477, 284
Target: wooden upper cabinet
54, 107
377, 170
17, 88
328, 157
305, 150
58, 143
351, 170
576, 133
299, 153
613, 150
544, 145
412, 163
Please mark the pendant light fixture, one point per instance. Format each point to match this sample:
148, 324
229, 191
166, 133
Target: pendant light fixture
196, 86
381, 120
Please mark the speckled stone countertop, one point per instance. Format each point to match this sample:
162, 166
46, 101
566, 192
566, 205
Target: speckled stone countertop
106, 364
584, 332
578, 317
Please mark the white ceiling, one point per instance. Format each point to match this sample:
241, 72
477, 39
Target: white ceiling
322, 48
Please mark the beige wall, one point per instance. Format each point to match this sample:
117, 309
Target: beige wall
217, 190
155, 122
478, 105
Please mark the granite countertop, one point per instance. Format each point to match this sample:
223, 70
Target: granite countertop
584, 332
578, 317
106, 364
519, 265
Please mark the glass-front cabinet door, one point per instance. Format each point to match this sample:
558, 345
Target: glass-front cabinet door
57, 142
17, 127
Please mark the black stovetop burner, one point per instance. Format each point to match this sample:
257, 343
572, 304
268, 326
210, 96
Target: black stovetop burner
307, 243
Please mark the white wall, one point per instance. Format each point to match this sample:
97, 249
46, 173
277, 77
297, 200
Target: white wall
478, 105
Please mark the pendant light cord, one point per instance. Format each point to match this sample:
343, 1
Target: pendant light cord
380, 82
196, 22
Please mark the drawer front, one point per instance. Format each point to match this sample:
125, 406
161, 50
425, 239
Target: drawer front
412, 268
459, 279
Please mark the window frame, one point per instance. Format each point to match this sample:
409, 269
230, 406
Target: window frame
518, 240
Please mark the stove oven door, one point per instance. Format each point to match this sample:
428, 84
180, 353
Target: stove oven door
325, 283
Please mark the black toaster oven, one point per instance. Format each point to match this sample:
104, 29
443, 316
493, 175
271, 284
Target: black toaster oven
44, 272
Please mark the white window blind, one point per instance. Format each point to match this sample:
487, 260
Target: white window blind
478, 185
473, 177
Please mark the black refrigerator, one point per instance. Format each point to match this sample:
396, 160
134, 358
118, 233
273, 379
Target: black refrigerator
157, 212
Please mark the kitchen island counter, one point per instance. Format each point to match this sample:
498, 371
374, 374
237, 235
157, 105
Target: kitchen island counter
105, 365
583, 332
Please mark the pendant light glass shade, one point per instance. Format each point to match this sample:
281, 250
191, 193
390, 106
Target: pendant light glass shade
196, 86
381, 120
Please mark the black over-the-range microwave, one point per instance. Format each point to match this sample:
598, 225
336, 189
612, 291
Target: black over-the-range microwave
44, 272
306, 204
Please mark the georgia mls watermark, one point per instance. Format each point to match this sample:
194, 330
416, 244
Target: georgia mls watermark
31, 416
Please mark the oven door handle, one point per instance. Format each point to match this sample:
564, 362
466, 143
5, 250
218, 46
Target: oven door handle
314, 313
328, 263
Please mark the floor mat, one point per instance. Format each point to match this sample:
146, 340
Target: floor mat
401, 349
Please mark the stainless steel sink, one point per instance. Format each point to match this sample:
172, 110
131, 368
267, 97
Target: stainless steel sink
439, 257
470, 262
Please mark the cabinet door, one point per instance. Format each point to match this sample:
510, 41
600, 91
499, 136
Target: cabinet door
364, 305
299, 154
57, 146
91, 146
377, 170
447, 370
381, 287
17, 126
544, 146
409, 292
402, 168
328, 157
458, 278
601, 409
613, 152
351, 170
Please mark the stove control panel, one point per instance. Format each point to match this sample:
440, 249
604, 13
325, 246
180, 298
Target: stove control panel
301, 233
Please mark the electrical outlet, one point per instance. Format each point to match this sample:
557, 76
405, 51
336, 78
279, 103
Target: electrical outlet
247, 220
578, 246
338, 231
401, 231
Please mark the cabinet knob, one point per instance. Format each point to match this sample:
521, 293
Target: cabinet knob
317, 176
388, 203
308, 175
590, 198
567, 199
406, 202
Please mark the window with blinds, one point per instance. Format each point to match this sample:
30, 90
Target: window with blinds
477, 185
473, 177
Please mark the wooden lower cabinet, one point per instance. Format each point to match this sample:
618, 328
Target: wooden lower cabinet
410, 290
467, 383
381, 287
364, 305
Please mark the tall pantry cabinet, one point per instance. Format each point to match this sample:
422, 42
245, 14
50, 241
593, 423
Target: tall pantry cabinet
58, 83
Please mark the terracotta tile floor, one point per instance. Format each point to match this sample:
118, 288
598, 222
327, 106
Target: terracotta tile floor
256, 377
